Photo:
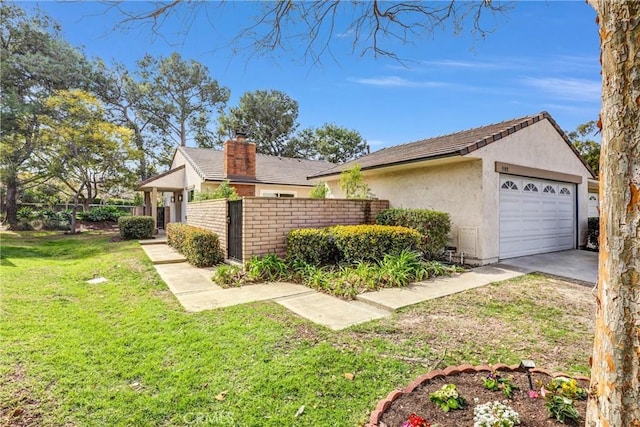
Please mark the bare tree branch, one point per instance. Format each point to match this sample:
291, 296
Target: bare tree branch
373, 26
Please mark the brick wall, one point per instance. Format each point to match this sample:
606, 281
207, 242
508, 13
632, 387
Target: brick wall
266, 221
245, 190
210, 215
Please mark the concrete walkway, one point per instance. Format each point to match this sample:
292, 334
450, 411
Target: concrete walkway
573, 264
196, 292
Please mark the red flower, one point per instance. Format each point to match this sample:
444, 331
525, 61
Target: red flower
416, 421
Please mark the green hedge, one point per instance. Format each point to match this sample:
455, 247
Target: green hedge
593, 233
349, 243
102, 213
372, 242
199, 246
315, 246
136, 227
433, 225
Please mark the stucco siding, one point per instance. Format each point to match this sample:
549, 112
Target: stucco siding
455, 188
538, 146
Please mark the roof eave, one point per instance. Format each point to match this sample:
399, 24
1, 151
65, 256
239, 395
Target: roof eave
398, 163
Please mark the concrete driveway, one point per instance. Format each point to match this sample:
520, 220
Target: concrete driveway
573, 264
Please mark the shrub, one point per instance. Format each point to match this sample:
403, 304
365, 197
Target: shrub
224, 191
401, 269
593, 233
433, 225
176, 235
314, 246
372, 242
270, 267
227, 276
200, 247
136, 227
101, 213
353, 185
25, 213
319, 191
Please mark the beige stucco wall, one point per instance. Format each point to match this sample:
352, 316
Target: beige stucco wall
468, 187
296, 190
537, 146
454, 187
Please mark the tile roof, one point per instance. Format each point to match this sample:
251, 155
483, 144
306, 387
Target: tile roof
269, 169
455, 144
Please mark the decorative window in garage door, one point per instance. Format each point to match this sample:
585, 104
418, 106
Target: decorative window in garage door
565, 191
531, 187
549, 189
509, 185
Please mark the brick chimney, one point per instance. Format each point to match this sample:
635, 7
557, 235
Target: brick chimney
240, 158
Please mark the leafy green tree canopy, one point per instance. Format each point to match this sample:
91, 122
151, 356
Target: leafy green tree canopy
179, 98
589, 149
330, 142
34, 62
269, 117
84, 151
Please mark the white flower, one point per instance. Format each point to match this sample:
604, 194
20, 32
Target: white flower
495, 414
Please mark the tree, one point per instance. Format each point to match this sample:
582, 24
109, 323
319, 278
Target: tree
34, 62
126, 100
85, 152
615, 369
330, 142
269, 117
586, 146
179, 98
319, 191
615, 376
353, 185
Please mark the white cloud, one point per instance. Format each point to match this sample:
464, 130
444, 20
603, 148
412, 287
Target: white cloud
451, 63
567, 88
395, 81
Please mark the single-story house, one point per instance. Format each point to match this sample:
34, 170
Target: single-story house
251, 174
513, 188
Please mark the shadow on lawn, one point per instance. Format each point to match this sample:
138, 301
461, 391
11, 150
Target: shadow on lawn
64, 247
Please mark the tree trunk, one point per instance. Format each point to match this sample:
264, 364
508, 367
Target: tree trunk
74, 213
12, 201
615, 370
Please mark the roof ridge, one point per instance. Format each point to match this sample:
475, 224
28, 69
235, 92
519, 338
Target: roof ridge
183, 150
519, 119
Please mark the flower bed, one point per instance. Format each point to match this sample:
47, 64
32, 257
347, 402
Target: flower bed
396, 408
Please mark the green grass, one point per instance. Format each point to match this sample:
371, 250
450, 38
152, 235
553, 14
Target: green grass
125, 353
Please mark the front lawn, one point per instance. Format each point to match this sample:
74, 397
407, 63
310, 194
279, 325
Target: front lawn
125, 353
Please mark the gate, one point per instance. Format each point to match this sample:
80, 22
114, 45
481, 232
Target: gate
160, 217
234, 230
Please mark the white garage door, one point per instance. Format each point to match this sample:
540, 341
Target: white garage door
536, 216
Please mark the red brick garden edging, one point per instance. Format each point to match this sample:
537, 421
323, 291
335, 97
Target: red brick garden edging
384, 404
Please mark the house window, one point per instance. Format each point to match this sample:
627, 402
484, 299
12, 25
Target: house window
509, 185
549, 189
531, 187
565, 191
190, 195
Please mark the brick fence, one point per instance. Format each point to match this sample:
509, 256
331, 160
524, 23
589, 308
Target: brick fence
266, 220
210, 215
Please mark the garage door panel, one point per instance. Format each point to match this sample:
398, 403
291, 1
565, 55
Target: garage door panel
535, 221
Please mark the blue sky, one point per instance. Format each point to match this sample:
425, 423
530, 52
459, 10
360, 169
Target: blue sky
540, 56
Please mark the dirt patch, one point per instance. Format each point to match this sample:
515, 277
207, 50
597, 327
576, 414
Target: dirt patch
19, 407
532, 412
